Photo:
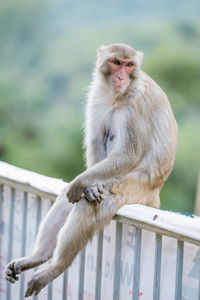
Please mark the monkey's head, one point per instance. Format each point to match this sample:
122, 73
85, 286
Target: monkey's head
119, 65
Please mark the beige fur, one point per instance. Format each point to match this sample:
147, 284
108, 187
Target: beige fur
127, 164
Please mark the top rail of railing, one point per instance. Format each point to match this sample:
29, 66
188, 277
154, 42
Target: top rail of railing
163, 222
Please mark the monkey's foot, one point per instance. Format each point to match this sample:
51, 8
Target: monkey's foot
12, 270
35, 285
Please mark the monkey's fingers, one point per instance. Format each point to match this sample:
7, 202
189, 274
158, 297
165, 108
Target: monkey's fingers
100, 189
88, 195
92, 194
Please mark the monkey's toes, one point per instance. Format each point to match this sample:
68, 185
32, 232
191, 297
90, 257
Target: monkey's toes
12, 270
33, 288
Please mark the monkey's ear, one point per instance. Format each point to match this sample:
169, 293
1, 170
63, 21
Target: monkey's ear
139, 57
100, 50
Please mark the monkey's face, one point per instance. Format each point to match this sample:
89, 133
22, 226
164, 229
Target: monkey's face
120, 72
119, 65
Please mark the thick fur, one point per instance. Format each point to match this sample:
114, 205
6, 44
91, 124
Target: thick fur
130, 141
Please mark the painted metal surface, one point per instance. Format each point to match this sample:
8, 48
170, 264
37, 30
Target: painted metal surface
157, 267
99, 265
133, 258
179, 270
137, 257
117, 262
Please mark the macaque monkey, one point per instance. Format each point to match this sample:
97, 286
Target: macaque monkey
130, 142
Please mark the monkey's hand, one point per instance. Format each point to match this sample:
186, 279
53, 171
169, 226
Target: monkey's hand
75, 191
78, 190
94, 193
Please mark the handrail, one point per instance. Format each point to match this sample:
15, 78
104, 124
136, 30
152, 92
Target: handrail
162, 222
31, 182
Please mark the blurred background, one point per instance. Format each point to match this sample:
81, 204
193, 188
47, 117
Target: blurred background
47, 54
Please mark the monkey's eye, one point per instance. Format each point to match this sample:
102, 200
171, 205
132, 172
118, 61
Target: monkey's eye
116, 62
130, 64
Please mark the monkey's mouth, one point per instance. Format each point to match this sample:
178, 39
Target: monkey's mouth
119, 82
119, 85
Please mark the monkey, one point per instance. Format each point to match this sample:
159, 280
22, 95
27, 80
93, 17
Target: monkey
130, 138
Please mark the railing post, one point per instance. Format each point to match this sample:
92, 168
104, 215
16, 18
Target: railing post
23, 249
99, 265
199, 286
81, 275
10, 240
65, 284
117, 261
1, 212
38, 220
157, 267
179, 270
137, 256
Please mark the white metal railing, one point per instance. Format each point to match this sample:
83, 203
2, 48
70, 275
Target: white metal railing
145, 253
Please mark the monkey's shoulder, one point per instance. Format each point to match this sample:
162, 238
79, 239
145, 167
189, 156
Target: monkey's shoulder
153, 89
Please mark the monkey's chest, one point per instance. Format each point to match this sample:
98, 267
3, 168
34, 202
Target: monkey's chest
109, 140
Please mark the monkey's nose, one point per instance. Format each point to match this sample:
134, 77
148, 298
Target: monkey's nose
122, 80
120, 77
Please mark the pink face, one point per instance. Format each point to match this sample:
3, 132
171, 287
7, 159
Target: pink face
120, 72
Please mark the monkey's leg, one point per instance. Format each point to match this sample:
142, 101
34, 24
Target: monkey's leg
45, 241
79, 228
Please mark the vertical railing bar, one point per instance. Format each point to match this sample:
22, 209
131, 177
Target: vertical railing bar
39, 212
1, 212
38, 220
50, 287
117, 261
65, 284
137, 257
99, 265
23, 249
65, 280
157, 267
81, 275
199, 286
10, 237
1, 215
179, 269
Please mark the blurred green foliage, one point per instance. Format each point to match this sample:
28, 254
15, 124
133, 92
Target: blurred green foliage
47, 53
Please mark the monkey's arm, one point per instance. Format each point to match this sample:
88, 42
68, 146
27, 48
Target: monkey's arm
95, 152
94, 140
103, 172
115, 165
119, 163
